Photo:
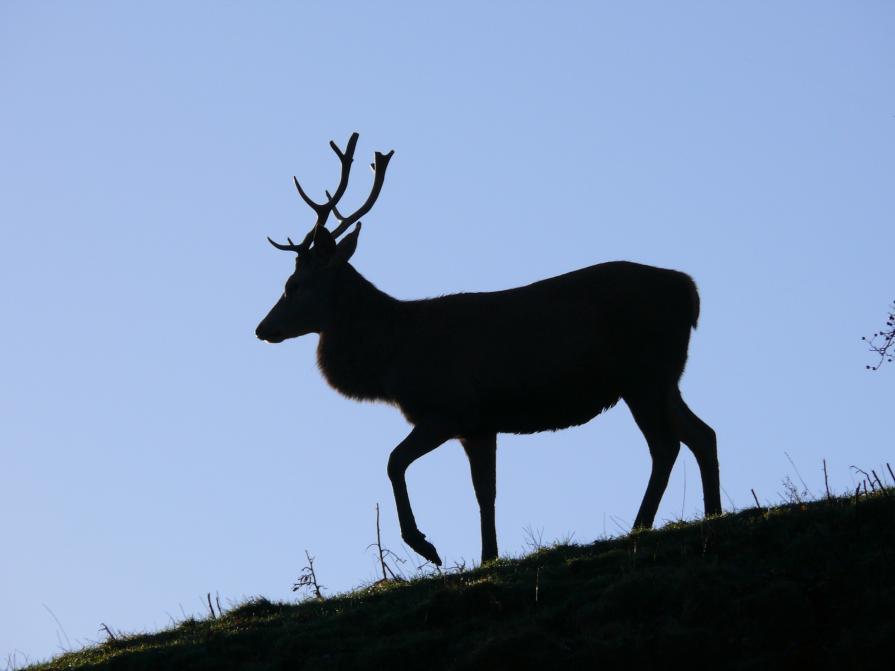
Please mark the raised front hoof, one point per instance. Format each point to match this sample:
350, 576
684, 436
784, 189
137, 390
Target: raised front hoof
418, 543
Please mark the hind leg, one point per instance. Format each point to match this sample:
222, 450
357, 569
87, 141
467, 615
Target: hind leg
701, 440
652, 413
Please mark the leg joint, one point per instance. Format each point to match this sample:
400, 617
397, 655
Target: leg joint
396, 466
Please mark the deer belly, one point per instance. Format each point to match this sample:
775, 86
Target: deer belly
544, 403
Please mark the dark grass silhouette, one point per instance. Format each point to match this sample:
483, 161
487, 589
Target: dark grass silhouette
543, 357
802, 586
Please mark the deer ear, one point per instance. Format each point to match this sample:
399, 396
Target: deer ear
324, 243
347, 246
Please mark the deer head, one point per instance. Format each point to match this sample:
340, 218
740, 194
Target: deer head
321, 258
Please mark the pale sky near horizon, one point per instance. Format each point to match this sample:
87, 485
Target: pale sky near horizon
152, 450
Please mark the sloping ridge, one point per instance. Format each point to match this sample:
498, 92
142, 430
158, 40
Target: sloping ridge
807, 585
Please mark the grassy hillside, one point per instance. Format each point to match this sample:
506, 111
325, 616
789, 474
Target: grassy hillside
799, 586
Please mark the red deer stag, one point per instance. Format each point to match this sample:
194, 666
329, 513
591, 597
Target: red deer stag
542, 357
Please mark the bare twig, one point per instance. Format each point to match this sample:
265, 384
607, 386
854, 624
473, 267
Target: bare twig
534, 538
758, 505
730, 500
618, 524
384, 555
308, 578
379, 545
210, 607
104, 627
12, 660
890, 471
807, 489
67, 640
217, 600
826, 480
791, 494
867, 478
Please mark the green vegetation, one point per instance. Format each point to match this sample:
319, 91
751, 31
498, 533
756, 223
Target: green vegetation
805, 585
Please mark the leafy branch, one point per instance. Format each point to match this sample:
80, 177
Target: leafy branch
308, 579
883, 342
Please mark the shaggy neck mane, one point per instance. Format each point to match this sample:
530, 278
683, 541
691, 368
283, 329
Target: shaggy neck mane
359, 342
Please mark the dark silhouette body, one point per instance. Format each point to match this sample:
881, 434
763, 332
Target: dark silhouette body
545, 356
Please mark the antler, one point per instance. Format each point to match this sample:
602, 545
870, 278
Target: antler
379, 166
346, 158
323, 209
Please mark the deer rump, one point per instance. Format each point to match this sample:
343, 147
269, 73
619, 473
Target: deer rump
545, 356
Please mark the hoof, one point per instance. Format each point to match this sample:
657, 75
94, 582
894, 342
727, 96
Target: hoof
422, 547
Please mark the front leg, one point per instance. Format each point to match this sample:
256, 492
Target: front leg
423, 439
482, 453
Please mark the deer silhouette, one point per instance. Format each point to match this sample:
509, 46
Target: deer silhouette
541, 357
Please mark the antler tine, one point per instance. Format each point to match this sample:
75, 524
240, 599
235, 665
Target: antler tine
379, 166
317, 207
291, 247
345, 158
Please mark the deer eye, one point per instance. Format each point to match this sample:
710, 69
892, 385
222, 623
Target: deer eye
290, 289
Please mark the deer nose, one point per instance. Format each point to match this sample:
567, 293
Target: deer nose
268, 334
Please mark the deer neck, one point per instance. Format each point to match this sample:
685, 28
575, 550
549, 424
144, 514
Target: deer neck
359, 342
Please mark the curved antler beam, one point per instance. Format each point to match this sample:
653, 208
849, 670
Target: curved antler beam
379, 167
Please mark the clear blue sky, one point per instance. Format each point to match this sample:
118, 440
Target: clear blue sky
152, 450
